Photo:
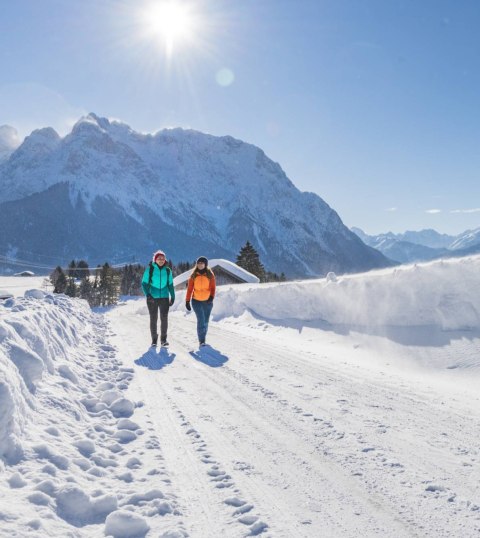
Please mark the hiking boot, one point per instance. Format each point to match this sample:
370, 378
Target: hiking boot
164, 343
154, 341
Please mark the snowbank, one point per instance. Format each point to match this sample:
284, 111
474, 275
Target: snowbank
33, 337
444, 294
66, 437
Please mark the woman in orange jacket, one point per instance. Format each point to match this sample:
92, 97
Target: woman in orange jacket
201, 285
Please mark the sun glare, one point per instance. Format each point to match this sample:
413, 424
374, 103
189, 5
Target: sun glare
171, 22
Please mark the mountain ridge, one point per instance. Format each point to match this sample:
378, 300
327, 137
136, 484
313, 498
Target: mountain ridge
423, 245
219, 191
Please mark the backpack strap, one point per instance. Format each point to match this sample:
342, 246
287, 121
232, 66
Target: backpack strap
150, 274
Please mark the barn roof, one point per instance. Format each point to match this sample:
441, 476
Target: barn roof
227, 266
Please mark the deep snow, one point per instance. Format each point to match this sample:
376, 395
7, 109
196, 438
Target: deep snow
335, 407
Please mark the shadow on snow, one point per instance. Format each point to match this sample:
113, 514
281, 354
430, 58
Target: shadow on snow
155, 360
209, 356
421, 336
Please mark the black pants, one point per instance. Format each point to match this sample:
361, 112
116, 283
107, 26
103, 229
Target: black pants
154, 305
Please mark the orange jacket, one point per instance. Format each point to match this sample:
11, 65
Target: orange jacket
201, 287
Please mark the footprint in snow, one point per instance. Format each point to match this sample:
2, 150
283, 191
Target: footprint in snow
243, 509
125, 436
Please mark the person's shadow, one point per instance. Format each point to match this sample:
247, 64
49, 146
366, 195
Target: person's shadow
155, 360
209, 356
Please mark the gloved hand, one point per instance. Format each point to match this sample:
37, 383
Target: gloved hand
149, 297
188, 306
210, 299
171, 301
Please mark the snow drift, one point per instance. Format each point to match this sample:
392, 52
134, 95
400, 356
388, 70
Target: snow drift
443, 294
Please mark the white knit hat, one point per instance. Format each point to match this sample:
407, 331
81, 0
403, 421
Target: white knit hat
158, 253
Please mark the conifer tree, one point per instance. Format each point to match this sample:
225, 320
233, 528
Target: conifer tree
71, 271
82, 270
131, 279
95, 294
59, 280
108, 285
181, 267
71, 289
249, 259
85, 290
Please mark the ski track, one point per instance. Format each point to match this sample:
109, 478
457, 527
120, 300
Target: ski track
264, 439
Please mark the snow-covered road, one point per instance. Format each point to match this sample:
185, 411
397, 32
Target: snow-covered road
268, 431
324, 408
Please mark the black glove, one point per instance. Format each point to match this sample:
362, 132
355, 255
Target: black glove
149, 297
210, 299
187, 305
172, 300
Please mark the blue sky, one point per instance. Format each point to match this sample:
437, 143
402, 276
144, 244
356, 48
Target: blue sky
372, 104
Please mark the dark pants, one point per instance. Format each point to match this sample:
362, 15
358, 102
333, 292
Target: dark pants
154, 305
202, 310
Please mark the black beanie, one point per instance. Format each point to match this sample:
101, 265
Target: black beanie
203, 259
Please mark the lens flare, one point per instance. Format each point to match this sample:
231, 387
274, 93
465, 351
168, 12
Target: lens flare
225, 77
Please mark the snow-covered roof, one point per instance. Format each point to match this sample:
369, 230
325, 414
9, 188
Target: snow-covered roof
227, 266
25, 273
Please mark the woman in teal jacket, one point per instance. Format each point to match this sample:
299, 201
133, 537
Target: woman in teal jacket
157, 285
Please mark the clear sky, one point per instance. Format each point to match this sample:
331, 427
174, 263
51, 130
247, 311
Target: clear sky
372, 104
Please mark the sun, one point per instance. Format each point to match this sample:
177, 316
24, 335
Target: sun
171, 22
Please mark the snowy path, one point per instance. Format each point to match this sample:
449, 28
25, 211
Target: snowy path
287, 440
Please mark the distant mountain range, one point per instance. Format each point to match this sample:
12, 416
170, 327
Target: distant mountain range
423, 245
106, 192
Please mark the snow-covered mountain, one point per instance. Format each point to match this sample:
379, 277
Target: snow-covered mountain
9, 141
466, 240
106, 192
423, 245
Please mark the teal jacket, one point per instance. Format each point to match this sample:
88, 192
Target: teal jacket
161, 285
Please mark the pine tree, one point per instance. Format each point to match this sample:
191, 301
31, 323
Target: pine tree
274, 277
59, 280
181, 267
126, 280
249, 259
82, 270
108, 285
71, 289
85, 290
71, 271
95, 294
131, 279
